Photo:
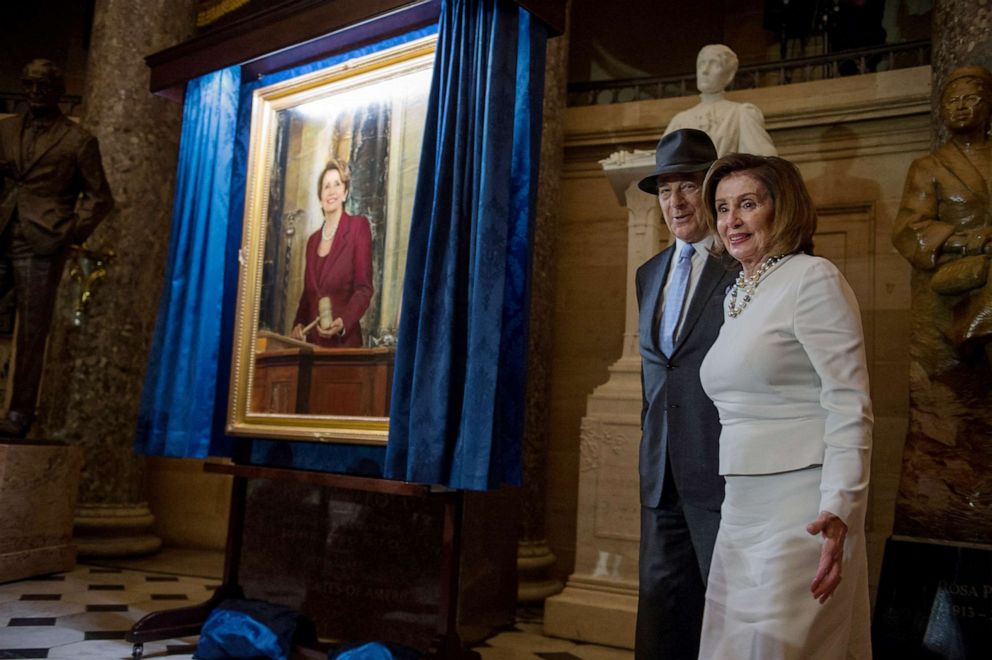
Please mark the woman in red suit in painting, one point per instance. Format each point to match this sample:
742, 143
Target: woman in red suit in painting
338, 266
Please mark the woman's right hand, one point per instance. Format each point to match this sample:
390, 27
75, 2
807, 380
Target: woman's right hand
297, 332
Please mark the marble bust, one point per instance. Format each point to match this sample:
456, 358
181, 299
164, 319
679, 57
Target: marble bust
733, 126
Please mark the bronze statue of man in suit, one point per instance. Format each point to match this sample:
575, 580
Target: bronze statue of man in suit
680, 294
55, 194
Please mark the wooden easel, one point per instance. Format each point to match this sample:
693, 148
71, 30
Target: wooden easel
188, 621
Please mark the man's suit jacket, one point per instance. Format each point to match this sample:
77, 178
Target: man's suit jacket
678, 421
61, 194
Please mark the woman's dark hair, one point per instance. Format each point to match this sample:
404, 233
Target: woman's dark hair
794, 220
339, 167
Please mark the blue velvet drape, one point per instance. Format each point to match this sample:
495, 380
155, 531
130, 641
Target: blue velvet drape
459, 384
184, 401
176, 417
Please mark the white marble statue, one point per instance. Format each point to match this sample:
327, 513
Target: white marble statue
731, 125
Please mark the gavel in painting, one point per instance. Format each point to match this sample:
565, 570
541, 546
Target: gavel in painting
325, 316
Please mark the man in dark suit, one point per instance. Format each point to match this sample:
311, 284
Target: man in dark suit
55, 194
680, 294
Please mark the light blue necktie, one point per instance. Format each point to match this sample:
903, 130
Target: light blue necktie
675, 299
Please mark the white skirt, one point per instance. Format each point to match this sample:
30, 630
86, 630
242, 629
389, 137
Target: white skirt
758, 602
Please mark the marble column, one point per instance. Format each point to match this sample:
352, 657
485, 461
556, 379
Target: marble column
599, 602
945, 488
94, 371
535, 561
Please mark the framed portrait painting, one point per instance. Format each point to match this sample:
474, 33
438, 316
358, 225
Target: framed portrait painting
332, 170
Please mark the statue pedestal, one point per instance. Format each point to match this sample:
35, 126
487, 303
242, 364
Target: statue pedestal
599, 603
38, 484
934, 600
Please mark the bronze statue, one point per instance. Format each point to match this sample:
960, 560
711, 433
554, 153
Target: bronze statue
944, 225
55, 195
944, 228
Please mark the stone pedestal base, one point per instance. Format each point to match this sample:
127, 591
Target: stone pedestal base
38, 485
599, 603
934, 601
534, 563
600, 611
115, 531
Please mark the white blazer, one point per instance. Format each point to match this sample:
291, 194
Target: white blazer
790, 381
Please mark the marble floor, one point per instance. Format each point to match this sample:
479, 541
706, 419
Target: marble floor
85, 613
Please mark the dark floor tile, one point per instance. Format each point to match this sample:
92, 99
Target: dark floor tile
113, 607
106, 587
32, 621
41, 597
10, 654
161, 578
104, 634
530, 615
170, 597
558, 656
176, 649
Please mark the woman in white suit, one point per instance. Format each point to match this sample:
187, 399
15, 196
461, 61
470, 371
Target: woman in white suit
789, 379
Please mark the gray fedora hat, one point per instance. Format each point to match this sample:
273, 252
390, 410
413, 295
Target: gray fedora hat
682, 151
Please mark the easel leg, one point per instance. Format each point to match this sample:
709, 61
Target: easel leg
188, 621
448, 643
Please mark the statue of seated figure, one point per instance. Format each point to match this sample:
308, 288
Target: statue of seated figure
733, 126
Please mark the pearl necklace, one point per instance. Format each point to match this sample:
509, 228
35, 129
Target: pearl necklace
748, 285
323, 232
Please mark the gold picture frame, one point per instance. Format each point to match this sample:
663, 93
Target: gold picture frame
368, 115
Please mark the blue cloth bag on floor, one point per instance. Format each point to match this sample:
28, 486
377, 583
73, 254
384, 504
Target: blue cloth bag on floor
373, 651
249, 629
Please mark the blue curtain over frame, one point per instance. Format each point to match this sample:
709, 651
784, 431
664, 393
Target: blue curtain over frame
184, 400
458, 394
176, 416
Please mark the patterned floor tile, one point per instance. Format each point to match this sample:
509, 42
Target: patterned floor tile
35, 587
85, 613
92, 621
25, 621
593, 652
21, 608
35, 638
105, 597
23, 653
531, 642
496, 653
